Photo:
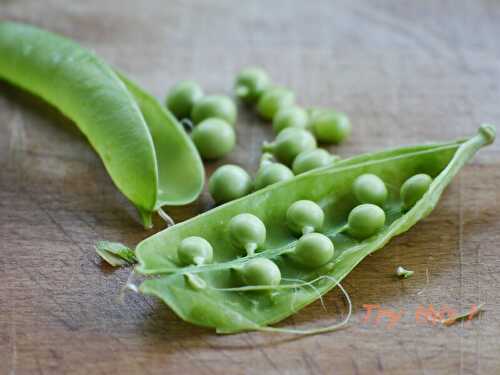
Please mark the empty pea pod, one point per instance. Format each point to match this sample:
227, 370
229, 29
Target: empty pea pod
143, 147
220, 307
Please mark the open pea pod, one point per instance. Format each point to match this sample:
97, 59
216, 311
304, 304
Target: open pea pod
202, 294
144, 149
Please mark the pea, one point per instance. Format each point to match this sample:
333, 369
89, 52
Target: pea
218, 106
260, 271
313, 250
250, 84
271, 173
414, 188
330, 126
289, 143
272, 100
182, 97
194, 250
213, 138
247, 232
290, 117
307, 160
365, 220
229, 182
369, 188
304, 217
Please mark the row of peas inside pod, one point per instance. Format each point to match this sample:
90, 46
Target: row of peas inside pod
304, 219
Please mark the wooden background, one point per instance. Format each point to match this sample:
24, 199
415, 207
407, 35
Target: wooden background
405, 71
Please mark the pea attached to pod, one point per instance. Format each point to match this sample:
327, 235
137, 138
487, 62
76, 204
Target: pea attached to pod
313, 250
247, 232
270, 173
260, 272
414, 188
290, 143
250, 84
217, 106
213, 138
369, 188
182, 97
304, 217
308, 160
290, 117
194, 250
330, 126
365, 220
229, 182
272, 100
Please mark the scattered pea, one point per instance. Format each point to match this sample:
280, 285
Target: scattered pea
369, 188
194, 250
313, 250
250, 84
414, 188
365, 220
213, 138
260, 271
290, 117
304, 217
272, 100
182, 97
229, 182
247, 232
330, 126
218, 106
307, 160
271, 173
289, 143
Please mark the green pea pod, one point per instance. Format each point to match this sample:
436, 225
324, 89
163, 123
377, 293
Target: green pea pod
223, 305
143, 147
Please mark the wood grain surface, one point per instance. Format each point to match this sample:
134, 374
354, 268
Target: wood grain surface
405, 71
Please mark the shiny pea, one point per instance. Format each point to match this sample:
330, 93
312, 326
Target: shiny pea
414, 188
313, 250
365, 220
304, 217
308, 160
194, 250
250, 84
260, 271
369, 188
229, 182
271, 173
330, 126
214, 106
182, 97
213, 138
290, 117
289, 143
272, 100
247, 232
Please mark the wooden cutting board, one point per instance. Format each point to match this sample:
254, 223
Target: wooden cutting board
405, 72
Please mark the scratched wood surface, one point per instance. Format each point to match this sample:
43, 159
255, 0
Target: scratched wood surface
405, 71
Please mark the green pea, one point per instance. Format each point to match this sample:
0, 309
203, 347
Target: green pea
250, 84
365, 220
369, 188
217, 106
260, 271
271, 173
194, 250
289, 143
247, 232
307, 160
304, 217
182, 97
290, 117
414, 188
213, 138
313, 250
330, 126
272, 100
229, 182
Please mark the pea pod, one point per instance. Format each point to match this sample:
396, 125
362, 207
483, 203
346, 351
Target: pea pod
218, 306
143, 147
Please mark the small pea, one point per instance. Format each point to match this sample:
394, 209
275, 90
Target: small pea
194, 250
217, 106
289, 143
307, 160
330, 126
213, 138
304, 217
247, 232
182, 97
271, 173
272, 100
414, 188
313, 250
290, 117
250, 84
365, 220
260, 271
369, 188
229, 182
